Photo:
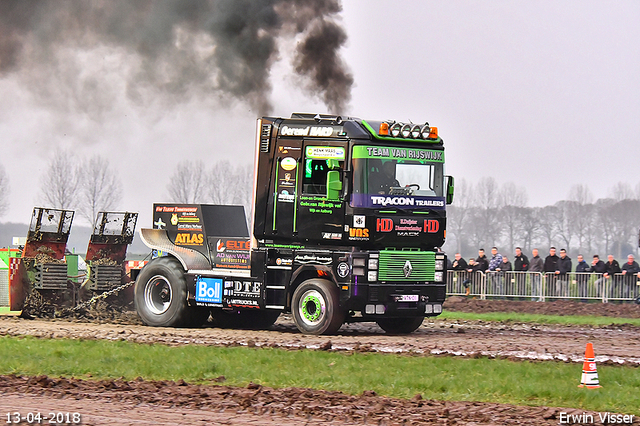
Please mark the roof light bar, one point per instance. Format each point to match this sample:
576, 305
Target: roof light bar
408, 130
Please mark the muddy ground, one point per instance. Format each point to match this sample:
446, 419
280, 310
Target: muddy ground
159, 403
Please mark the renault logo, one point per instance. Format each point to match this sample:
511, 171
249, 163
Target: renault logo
407, 269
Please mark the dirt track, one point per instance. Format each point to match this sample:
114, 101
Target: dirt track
141, 402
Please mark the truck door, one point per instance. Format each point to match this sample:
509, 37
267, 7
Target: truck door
285, 183
320, 203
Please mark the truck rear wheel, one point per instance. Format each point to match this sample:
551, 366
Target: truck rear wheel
160, 294
400, 325
316, 307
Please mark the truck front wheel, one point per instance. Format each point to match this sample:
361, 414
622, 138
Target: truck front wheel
160, 294
316, 307
400, 325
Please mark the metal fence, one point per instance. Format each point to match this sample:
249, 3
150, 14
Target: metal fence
540, 287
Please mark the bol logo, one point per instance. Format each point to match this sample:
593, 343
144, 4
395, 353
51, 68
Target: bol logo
384, 225
431, 226
209, 290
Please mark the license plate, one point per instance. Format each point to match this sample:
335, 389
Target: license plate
409, 298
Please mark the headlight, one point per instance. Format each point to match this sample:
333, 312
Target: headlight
359, 261
425, 131
373, 263
372, 276
406, 131
358, 271
439, 265
395, 130
415, 132
438, 276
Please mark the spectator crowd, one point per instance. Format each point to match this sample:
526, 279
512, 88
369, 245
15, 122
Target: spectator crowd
557, 270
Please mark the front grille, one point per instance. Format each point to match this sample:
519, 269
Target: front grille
400, 265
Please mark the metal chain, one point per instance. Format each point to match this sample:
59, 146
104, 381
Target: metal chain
104, 295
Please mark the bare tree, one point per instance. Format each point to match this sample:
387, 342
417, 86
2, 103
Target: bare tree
548, 224
564, 222
99, 188
581, 215
622, 191
459, 213
4, 191
486, 225
604, 224
513, 199
59, 184
221, 183
231, 185
530, 227
187, 184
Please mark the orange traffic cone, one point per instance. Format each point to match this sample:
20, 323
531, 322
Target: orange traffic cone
589, 372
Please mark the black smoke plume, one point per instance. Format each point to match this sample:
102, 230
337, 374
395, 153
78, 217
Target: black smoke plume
179, 48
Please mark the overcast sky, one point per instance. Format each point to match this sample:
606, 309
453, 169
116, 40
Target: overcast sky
542, 93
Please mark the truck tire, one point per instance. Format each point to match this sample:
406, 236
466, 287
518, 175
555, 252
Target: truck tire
316, 307
400, 325
247, 319
160, 294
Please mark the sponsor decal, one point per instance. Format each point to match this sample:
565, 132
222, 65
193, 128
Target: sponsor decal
358, 234
288, 163
319, 204
284, 262
398, 153
174, 219
359, 221
189, 239
238, 245
245, 303
313, 259
176, 209
431, 226
189, 227
285, 197
232, 253
323, 131
249, 289
159, 224
392, 201
413, 154
325, 152
331, 235
411, 202
408, 225
342, 269
384, 225
209, 290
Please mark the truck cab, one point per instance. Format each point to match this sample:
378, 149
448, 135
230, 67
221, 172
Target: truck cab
348, 218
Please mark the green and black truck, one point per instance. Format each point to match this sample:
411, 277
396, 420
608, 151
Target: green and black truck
347, 223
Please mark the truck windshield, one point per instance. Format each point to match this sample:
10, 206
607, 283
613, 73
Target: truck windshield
397, 171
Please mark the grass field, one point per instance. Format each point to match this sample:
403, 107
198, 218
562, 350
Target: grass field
444, 378
517, 317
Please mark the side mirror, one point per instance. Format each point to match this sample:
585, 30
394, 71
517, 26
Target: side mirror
334, 185
449, 184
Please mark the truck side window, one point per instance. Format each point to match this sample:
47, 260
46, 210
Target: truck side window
314, 180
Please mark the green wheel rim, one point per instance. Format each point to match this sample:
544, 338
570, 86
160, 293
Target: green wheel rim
313, 307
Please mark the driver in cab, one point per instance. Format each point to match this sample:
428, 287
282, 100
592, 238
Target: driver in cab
386, 179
